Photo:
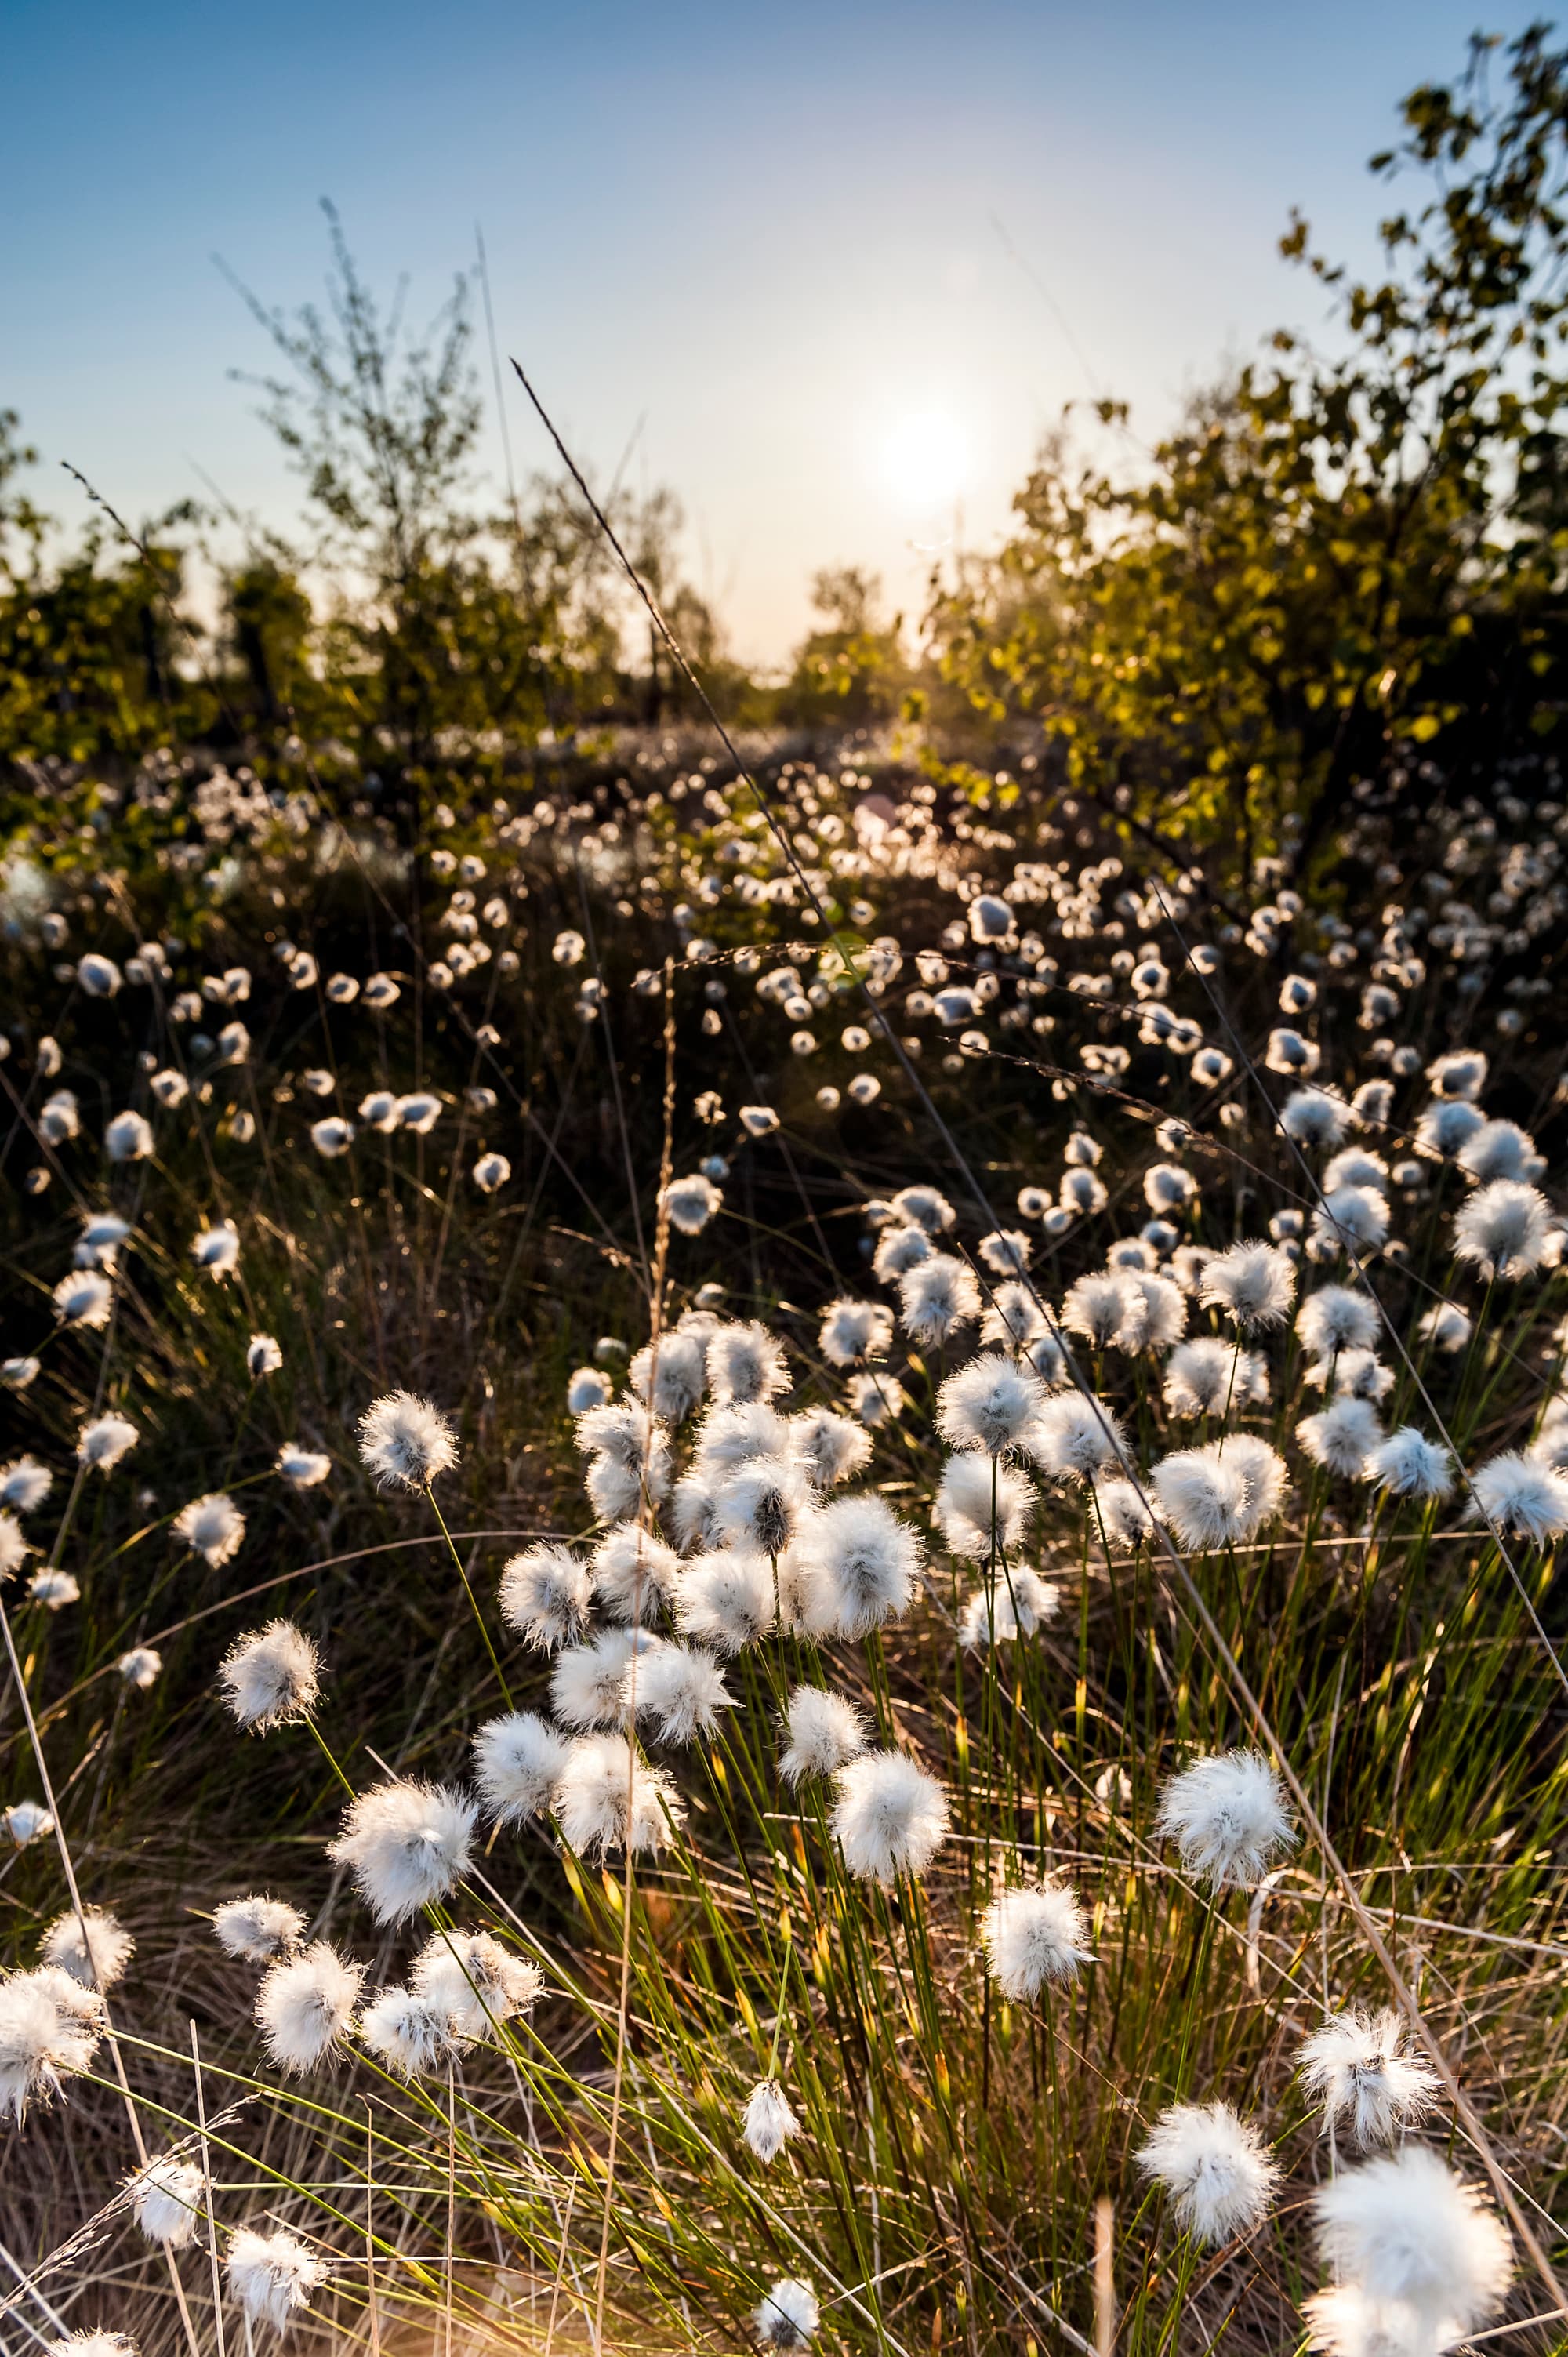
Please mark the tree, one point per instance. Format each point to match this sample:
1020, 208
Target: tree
851, 671
1335, 557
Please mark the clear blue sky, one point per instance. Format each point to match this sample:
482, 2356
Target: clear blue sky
768, 234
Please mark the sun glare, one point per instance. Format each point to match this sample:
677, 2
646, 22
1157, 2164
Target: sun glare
924, 457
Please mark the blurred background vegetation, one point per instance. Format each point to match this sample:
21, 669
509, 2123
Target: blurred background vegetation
1343, 562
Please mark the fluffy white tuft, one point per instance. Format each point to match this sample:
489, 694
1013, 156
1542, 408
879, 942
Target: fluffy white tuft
271, 1676
476, 1983
1342, 1437
212, 1527
1517, 1493
1356, 2067
763, 1503
1503, 1229
406, 1440
681, 1689
1216, 2168
544, 1595
936, 1297
889, 1816
829, 1447
588, 1683
1073, 1435
825, 1732
1207, 1377
271, 2277
1335, 1318
853, 1331
94, 1947
787, 2315
726, 1599
168, 2198
105, 1441
518, 1761
1228, 1816
671, 1377
406, 1844
1034, 1938
1406, 2230
691, 1203
768, 2122
607, 1798
858, 1564
1407, 1465
981, 1505
305, 2006
48, 2032
989, 1405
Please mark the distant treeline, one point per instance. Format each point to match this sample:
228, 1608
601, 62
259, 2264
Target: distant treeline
1341, 561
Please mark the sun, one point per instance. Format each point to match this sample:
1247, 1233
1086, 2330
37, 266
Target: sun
924, 457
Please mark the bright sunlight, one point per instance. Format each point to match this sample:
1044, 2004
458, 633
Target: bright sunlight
925, 458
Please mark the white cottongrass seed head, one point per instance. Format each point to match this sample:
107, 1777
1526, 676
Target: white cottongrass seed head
853, 1331
889, 1816
825, 1732
94, 1947
303, 1469
1228, 1816
767, 2123
103, 1441
859, 1563
679, 1691
46, 2038
746, 1363
211, 1527
1215, 2166
545, 1593
1201, 1495
1503, 1229
406, 1844
607, 1799
476, 1983
727, 1599
13, 1546
937, 1296
982, 1504
1035, 1938
83, 1298
989, 1405
1335, 1318
271, 2277
1521, 1496
406, 1440
518, 1761
24, 1484
787, 2315
167, 2198
1357, 2068
1074, 1435
412, 2034
690, 1204
1412, 2237
633, 1572
304, 2006
217, 1249
256, 1929
271, 1677
1407, 1465
1342, 1437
